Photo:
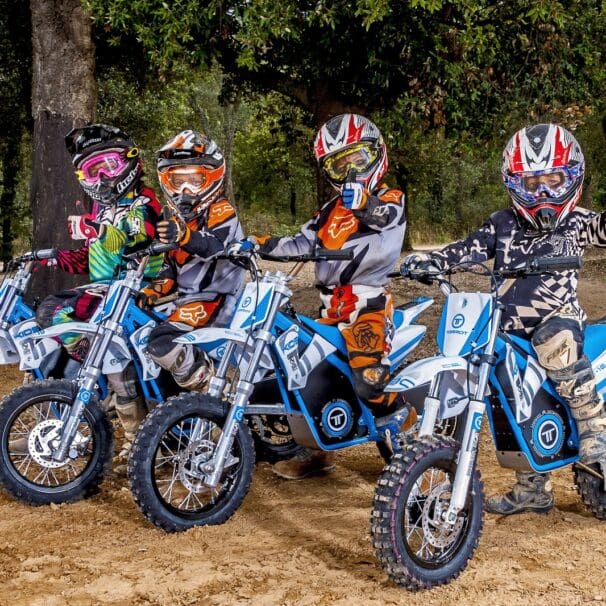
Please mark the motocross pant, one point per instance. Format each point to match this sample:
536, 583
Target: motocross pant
364, 315
189, 365
70, 305
558, 341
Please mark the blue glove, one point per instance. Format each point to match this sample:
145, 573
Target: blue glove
353, 196
245, 245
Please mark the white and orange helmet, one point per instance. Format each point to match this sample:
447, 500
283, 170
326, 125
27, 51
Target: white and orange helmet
351, 145
543, 170
191, 171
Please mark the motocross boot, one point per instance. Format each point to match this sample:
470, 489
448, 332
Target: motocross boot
198, 375
130, 413
305, 463
401, 413
576, 383
531, 492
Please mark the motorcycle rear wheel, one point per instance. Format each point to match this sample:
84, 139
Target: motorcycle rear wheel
591, 490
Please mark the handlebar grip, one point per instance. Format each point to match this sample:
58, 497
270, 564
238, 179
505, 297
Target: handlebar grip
556, 263
333, 255
45, 253
158, 248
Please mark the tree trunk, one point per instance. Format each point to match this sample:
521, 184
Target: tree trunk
63, 96
10, 168
230, 113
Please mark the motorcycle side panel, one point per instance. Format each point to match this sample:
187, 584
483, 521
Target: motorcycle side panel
31, 347
595, 350
8, 350
140, 341
405, 339
545, 433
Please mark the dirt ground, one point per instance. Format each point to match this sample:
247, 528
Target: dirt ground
301, 542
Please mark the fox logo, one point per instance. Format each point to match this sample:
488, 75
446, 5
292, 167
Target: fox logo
193, 315
335, 229
219, 212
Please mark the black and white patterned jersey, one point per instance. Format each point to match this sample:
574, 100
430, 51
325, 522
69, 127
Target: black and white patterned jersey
194, 268
375, 234
503, 238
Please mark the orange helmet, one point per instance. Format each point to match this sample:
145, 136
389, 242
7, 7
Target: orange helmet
191, 171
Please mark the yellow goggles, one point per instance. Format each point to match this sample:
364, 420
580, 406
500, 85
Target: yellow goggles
358, 157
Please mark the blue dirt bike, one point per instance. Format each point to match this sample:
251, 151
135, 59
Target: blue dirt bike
56, 441
43, 357
428, 507
289, 367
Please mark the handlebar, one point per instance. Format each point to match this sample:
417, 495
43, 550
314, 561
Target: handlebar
155, 248
321, 254
540, 265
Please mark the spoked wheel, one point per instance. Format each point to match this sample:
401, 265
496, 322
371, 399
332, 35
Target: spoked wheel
31, 423
453, 427
591, 488
167, 462
415, 546
272, 438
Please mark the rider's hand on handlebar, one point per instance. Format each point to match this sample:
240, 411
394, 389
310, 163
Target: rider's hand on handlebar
246, 245
422, 265
147, 297
173, 231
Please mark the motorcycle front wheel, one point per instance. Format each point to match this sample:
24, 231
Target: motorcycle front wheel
414, 544
166, 464
31, 422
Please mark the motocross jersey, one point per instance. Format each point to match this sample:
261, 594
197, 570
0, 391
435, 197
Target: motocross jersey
374, 233
194, 268
129, 225
531, 299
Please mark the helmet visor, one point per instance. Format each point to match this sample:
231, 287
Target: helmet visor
535, 186
107, 163
192, 179
358, 157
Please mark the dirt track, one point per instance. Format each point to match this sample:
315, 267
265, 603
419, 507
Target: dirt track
295, 542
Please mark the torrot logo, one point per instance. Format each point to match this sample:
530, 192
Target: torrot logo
246, 302
458, 321
337, 418
548, 434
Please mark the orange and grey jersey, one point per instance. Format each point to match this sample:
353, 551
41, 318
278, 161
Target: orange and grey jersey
194, 267
374, 233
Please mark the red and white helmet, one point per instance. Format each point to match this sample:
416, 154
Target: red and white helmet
543, 170
351, 145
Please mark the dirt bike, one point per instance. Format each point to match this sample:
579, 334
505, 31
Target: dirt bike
289, 366
56, 441
43, 357
428, 505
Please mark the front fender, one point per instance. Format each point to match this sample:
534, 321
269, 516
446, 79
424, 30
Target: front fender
213, 334
60, 329
424, 371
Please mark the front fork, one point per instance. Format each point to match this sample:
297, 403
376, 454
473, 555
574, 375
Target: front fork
263, 337
87, 379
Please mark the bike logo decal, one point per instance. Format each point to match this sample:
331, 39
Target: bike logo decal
548, 434
476, 422
245, 302
458, 321
337, 419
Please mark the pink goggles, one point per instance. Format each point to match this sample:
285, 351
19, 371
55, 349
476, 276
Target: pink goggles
107, 163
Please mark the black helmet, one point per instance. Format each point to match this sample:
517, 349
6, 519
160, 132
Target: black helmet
106, 159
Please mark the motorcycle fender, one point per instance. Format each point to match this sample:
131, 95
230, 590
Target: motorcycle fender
140, 341
213, 333
424, 371
61, 329
8, 350
31, 347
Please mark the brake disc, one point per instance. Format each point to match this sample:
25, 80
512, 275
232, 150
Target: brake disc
436, 530
44, 439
